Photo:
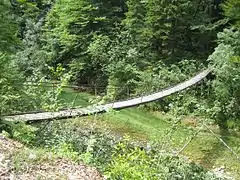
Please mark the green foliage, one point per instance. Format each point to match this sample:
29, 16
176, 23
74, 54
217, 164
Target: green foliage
165, 20
17, 96
19, 131
23, 133
49, 98
10, 89
30, 59
226, 68
69, 140
231, 10
8, 28
137, 163
163, 76
97, 44
69, 30
87, 157
135, 17
6, 128
123, 70
65, 150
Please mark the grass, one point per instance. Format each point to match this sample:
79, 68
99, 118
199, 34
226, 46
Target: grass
210, 152
73, 98
140, 120
141, 125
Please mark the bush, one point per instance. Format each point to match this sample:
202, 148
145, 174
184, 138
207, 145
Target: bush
94, 148
225, 62
138, 163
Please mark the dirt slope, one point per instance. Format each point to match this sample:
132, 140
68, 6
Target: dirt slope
57, 169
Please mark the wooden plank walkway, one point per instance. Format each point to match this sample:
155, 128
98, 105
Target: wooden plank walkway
116, 105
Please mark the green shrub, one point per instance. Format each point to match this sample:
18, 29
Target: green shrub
65, 150
94, 148
19, 131
138, 163
24, 133
225, 62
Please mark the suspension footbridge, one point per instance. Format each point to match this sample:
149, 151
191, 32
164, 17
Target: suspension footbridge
93, 109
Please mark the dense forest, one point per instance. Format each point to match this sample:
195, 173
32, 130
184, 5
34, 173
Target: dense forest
122, 49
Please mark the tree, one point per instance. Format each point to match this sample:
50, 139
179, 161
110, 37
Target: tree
231, 10
30, 56
8, 28
14, 96
225, 63
69, 31
226, 85
135, 17
180, 29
